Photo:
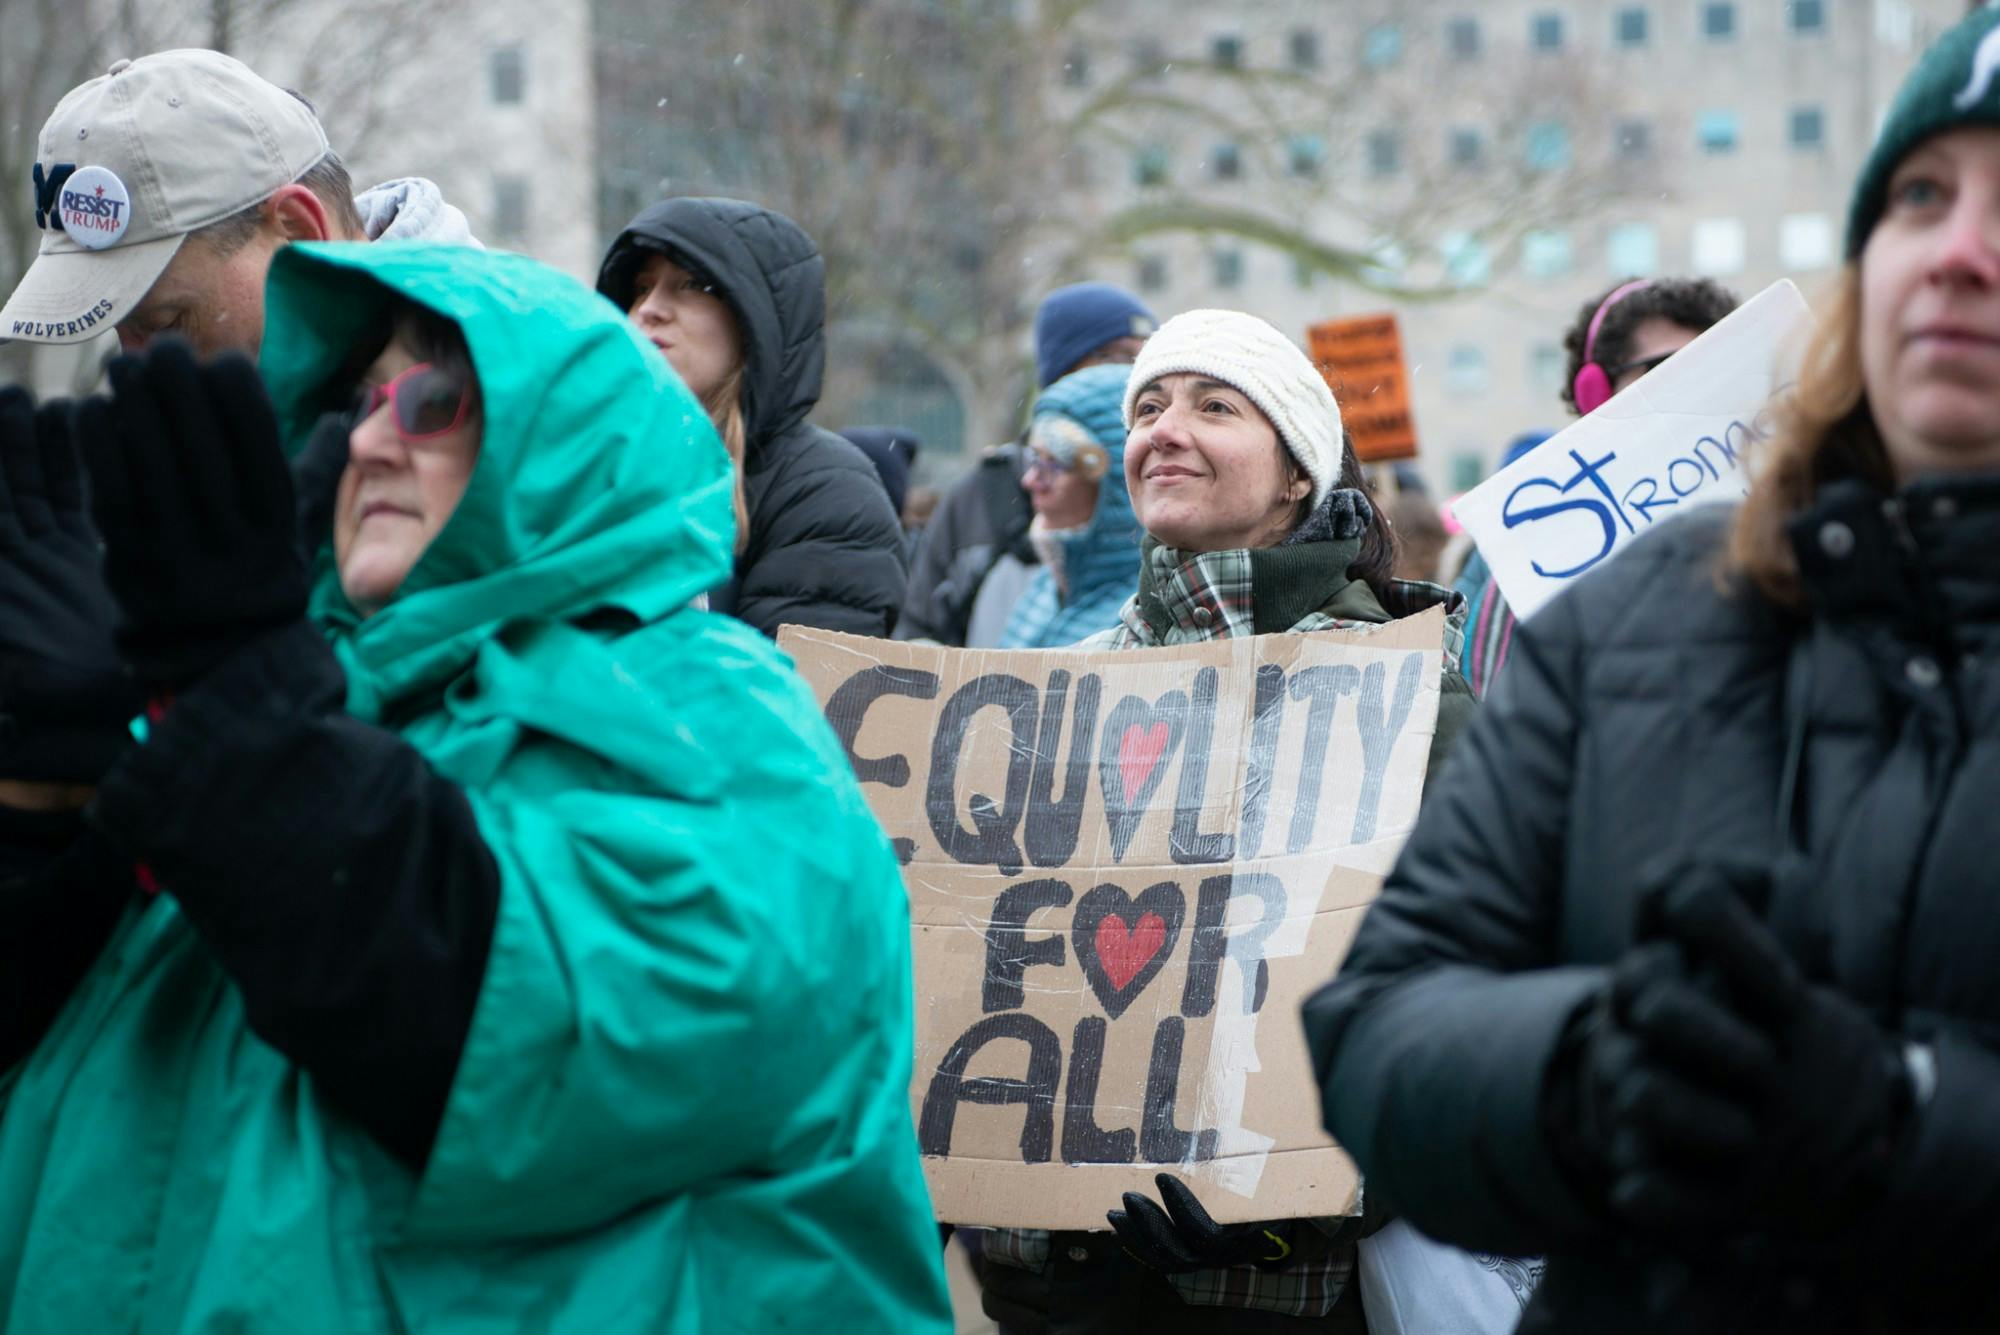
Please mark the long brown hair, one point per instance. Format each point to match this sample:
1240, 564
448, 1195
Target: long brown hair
725, 409
1822, 429
1375, 563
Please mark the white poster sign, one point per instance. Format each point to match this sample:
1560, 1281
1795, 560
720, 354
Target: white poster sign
1672, 440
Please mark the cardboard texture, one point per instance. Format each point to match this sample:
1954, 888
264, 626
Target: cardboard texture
1126, 873
1362, 360
1672, 440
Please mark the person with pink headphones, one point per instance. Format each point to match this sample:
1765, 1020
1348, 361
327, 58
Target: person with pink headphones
1617, 338
1631, 329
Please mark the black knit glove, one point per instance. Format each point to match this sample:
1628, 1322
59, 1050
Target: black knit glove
1183, 1237
316, 481
1834, 1103
1653, 1098
194, 499
65, 700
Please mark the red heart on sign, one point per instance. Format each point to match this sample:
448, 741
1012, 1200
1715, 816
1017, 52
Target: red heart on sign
1138, 752
1124, 951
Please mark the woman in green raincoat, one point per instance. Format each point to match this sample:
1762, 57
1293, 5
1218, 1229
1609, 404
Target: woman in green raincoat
483, 938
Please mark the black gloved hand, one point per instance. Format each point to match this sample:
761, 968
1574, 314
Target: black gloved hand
65, 699
316, 480
1655, 1094
194, 500
1834, 1102
1183, 1237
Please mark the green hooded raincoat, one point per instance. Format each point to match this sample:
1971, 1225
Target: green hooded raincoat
682, 1105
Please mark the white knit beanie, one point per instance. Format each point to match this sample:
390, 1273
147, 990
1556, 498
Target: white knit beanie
1243, 351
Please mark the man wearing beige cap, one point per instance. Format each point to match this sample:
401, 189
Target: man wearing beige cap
164, 187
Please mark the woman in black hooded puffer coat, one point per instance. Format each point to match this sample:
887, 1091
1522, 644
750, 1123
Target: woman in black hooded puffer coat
1688, 974
734, 295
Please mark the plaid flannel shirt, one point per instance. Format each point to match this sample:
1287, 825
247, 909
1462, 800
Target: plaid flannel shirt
1308, 1289
1207, 596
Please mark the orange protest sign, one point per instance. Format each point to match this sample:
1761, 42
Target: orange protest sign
1362, 360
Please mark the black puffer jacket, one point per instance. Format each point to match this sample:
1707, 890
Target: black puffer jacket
1646, 728
825, 547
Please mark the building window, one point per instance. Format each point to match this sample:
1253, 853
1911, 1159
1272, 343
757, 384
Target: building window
1808, 15
1229, 268
510, 208
1632, 250
1468, 470
1805, 241
1545, 32
1465, 369
1462, 38
1149, 58
1304, 46
1305, 274
1716, 131
1382, 46
1150, 166
1152, 276
1226, 162
1386, 260
1808, 127
509, 68
1628, 27
1718, 21
1466, 147
1385, 153
1227, 53
1304, 155
1547, 146
1633, 140
1717, 247
1545, 253
1076, 67
1545, 368
1467, 262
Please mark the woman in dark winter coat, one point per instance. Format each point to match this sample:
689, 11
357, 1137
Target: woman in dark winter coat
1256, 524
1687, 975
735, 296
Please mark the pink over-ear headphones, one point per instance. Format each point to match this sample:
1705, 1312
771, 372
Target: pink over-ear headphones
1592, 386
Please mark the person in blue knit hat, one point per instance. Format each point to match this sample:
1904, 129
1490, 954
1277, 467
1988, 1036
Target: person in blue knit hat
972, 564
1083, 530
1088, 324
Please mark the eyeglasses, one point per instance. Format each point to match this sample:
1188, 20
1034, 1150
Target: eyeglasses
428, 402
1045, 466
1643, 365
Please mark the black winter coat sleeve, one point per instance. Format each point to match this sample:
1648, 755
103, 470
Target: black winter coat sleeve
1432, 1044
342, 884
934, 606
826, 548
62, 889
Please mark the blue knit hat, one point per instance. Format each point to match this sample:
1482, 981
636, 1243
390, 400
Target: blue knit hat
1073, 322
1957, 82
1082, 414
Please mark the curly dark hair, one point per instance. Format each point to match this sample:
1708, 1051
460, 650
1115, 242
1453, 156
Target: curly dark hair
1693, 303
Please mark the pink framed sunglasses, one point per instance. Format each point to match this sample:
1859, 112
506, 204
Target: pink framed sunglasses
428, 402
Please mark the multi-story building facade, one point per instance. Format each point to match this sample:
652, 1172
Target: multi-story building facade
1728, 132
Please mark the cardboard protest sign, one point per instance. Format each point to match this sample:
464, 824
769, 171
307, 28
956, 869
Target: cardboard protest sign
1672, 440
1362, 360
1126, 872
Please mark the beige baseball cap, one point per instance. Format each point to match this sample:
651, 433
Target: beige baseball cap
133, 161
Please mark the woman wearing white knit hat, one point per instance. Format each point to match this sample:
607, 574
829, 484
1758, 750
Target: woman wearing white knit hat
1257, 522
